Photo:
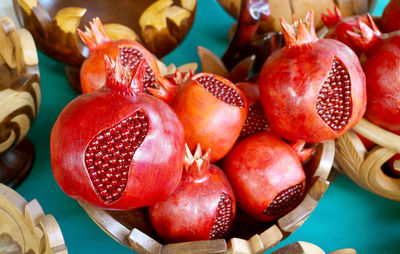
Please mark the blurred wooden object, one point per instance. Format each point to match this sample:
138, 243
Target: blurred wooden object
19, 101
160, 25
286, 8
308, 248
133, 228
365, 167
24, 228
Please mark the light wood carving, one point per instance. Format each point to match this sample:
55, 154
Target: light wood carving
24, 228
127, 232
365, 167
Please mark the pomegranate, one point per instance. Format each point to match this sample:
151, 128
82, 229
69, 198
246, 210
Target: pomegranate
212, 111
312, 89
338, 26
202, 207
266, 176
380, 61
118, 147
93, 74
390, 17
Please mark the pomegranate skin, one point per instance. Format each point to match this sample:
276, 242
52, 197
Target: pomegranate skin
390, 17
156, 166
381, 66
190, 212
290, 82
259, 168
207, 120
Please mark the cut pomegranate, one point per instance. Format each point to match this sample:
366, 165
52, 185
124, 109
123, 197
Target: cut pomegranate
284, 200
256, 121
223, 219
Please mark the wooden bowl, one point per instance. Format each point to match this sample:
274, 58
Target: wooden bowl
133, 228
159, 24
366, 167
286, 8
19, 101
24, 228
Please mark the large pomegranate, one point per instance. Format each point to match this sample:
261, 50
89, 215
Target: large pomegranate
390, 17
118, 147
380, 61
266, 176
92, 73
212, 111
312, 89
202, 207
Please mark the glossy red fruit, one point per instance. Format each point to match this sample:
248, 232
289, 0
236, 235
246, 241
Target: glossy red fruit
93, 74
338, 26
312, 89
390, 17
118, 147
202, 207
212, 111
380, 61
266, 176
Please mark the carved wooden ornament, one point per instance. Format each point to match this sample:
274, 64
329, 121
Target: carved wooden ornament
24, 228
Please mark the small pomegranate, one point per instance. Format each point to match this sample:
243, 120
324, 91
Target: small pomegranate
266, 176
312, 89
118, 147
390, 17
212, 111
202, 207
380, 61
338, 26
93, 74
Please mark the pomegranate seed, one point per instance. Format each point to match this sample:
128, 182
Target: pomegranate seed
284, 200
334, 100
256, 120
222, 91
131, 57
106, 158
223, 218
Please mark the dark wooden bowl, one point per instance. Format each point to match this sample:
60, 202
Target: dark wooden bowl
159, 24
19, 101
286, 8
133, 228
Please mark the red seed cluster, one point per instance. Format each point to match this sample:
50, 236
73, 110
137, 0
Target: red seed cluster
223, 219
256, 121
109, 155
222, 91
131, 57
284, 200
334, 100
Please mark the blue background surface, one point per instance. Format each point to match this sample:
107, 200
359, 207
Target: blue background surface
347, 215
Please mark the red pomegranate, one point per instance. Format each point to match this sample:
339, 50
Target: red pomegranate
202, 207
93, 74
338, 26
312, 89
117, 147
390, 17
380, 61
266, 176
212, 111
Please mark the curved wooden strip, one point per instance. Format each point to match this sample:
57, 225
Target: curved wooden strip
300, 248
266, 240
378, 135
118, 31
324, 165
6, 45
344, 251
210, 62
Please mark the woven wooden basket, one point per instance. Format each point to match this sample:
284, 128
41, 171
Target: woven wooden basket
366, 167
133, 228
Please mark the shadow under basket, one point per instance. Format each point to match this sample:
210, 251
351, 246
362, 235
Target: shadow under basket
367, 168
133, 228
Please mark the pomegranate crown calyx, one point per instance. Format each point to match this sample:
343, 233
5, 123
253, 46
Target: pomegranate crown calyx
332, 19
95, 36
367, 36
300, 32
196, 164
122, 79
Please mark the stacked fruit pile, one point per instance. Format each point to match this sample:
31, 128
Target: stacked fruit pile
122, 146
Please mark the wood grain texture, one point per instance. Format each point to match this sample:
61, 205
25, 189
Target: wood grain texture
26, 228
129, 227
365, 167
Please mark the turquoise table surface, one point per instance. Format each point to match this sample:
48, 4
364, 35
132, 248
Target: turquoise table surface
346, 217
